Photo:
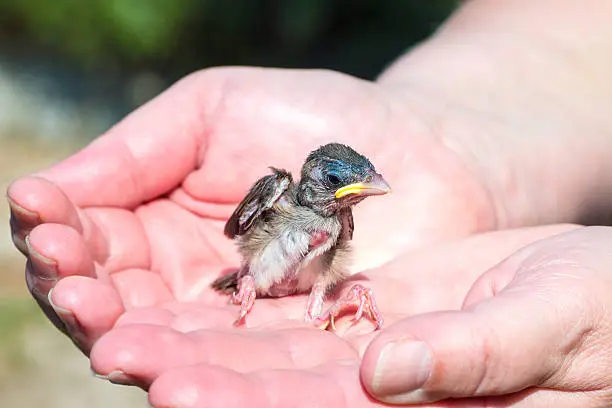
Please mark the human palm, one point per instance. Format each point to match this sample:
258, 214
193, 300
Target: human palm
129, 231
189, 360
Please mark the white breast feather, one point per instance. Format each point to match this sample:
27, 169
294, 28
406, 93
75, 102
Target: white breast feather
288, 255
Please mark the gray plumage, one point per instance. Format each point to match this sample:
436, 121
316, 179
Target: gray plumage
292, 236
276, 250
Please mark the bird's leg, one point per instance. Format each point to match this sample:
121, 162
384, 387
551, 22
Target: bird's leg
315, 302
356, 296
245, 297
317, 293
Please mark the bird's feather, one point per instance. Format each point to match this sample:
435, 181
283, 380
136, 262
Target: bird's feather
226, 283
261, 197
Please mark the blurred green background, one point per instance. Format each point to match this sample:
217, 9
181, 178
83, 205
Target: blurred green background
69, 69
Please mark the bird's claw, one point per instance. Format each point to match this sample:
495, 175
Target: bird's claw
356, 296
245, 297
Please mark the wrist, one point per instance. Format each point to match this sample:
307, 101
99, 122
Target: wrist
524, 110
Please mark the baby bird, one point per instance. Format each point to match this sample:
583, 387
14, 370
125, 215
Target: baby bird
295, 237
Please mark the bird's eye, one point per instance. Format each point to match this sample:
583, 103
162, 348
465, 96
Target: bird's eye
333, 179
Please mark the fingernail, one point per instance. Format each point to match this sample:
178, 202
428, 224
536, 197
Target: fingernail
403, 366
67, 317
62, 312
19, 243
24, 214
45, 268
115, 377
68, 324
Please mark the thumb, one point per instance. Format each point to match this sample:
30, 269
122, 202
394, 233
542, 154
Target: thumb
514, 340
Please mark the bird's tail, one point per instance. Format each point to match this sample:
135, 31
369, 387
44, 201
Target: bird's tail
226, 283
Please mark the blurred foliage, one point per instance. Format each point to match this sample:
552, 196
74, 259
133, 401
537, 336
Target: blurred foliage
96, 29
173, 37
16, 316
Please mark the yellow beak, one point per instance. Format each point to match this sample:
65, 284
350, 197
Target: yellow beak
377, 186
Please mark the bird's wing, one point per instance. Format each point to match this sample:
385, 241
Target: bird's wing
348, 226
261, 197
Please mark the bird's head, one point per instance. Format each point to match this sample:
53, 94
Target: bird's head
335, 176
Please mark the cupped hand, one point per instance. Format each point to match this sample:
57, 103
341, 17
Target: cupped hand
189, 365
533, 331
130, 228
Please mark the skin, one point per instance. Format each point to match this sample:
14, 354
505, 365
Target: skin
506, 130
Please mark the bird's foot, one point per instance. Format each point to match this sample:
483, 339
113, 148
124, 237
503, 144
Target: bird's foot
356, 296
245, 297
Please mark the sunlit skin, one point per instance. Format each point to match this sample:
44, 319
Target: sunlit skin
168, 250
129, 231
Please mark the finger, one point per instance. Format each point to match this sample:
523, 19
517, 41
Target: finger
207, 386
140, 288
143, 352
427, 276
57, 251
33, 201
331, 385
146, 155
500, 275
183, 317
187, 317
54, 251
87, 307
138, 354
501, 345
215, 386
21, 223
